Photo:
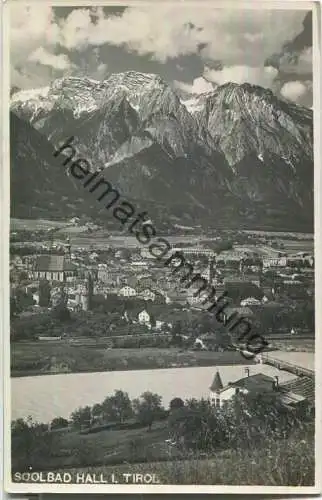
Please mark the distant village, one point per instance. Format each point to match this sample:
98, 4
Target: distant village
47, 270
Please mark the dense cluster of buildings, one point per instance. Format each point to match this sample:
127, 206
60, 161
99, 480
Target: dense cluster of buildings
131, 273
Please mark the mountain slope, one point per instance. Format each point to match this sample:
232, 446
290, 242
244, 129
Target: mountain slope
39, 184
237, 155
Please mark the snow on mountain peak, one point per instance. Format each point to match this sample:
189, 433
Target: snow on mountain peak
30, 94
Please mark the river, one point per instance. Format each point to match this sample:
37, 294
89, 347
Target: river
48, 396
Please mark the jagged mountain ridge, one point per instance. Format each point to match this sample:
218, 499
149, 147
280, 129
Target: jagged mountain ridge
42, 187
240, 151
246, 118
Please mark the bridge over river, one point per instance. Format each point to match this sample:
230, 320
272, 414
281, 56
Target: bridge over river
298, 363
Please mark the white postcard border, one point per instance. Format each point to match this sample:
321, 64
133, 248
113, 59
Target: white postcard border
26, 488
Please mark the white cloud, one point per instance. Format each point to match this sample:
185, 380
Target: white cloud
305, 62
198, 86
239, 39
34, 36
306, 56
294, 91
31, 27
60, 62
236, 37
101, 72
77, 30
300, 63
262, 75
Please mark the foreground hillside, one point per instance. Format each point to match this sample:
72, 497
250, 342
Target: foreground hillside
288, 462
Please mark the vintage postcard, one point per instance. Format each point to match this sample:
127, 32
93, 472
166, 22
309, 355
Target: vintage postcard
159, 259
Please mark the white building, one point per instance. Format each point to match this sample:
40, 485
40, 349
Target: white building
250, 301
256, 384
144, 318
208, 252
159, 324
145, 254
259, 383
275, 262
148, 295
127, 291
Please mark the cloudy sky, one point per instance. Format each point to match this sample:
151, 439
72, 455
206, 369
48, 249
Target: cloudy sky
193, 48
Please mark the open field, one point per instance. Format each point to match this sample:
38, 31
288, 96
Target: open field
295, 246
288, 234
304, 345
37, 358
34, 224
293, 242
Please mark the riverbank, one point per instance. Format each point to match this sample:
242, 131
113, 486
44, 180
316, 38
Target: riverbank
44, 358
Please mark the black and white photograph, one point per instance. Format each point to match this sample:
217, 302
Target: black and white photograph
161, 262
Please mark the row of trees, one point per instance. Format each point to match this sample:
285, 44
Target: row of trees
193, 426
119, 408
246, 421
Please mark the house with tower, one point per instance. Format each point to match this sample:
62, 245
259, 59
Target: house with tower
220, 395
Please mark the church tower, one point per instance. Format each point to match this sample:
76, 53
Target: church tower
215, 389
90, 290
212, 269
68, 249
84, 298
210, 272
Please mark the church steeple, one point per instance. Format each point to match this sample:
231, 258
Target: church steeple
217, 383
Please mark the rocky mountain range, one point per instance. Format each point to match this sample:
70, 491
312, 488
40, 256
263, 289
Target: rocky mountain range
236, 156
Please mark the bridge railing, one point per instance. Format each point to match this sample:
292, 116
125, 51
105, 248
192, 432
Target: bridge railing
285, 365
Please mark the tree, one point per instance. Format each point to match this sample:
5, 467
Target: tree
21, 301
44, 293
117, 407
176, 403
61, 312
31, 444
243, 291
23, 276
223, 245
14, 309
177, 328
32, 326
199, 426
59, 423
148, 408
81, 417
97, 410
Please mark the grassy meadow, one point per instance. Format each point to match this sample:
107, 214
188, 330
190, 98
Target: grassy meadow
39, 358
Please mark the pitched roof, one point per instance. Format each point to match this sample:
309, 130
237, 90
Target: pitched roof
217, 383
258, 382
303, 386
290, 398
241, 311
52, 263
